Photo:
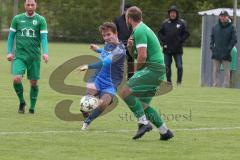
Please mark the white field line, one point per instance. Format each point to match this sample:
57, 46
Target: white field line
111, 131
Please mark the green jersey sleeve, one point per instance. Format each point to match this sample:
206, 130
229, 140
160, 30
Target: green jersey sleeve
140, 39
43, 26
13, 26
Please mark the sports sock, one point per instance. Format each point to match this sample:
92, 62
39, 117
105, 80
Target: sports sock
18, 87
143, 120
163, 129
95, 113
134, 105
33, 96
153, 117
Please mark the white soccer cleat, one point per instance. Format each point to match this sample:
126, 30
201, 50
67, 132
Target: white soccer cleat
85, 126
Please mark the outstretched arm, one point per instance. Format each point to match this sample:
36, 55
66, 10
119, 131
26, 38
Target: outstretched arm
95, 48
96, 65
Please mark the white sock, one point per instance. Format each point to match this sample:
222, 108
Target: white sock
143, 120
163, 128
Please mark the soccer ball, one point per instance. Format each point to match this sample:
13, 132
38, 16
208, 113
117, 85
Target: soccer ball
88, 103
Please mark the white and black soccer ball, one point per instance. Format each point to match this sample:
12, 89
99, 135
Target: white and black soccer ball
88, 103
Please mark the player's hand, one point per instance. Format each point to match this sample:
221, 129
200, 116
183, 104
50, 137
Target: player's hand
130, 42
82, 68
94, 47
10, 57
45, 58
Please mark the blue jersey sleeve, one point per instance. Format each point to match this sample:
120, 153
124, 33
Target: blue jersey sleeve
96, 65
99, 50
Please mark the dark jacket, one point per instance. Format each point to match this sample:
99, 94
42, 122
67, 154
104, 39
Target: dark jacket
223, 39
172, 34
123, 31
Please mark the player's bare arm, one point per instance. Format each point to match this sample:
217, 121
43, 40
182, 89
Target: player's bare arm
142, 56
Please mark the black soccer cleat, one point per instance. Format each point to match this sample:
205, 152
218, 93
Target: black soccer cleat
31, 111
21, 108
142, 129
166, 136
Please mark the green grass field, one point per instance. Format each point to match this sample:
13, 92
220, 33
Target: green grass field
206, 122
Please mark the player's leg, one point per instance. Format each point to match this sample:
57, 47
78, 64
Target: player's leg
18, 70
179, 66
129, 95
91, 90
104, 102
146, 82
154, 117
33, 73
168, 62
33, 95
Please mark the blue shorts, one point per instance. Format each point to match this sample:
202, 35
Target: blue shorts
104, 87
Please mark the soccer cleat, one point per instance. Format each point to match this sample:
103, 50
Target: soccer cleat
31, 111
166, 136
142, 129
21, 108
85, 126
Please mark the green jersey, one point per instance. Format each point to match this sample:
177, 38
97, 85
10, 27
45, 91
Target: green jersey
144, 37
28, 35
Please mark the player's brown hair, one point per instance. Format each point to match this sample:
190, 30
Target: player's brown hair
108, 25
134, 13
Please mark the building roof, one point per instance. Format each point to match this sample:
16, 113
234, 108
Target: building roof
217, 11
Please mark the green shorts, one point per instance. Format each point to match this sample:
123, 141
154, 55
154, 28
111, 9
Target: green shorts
144, 83
19, 66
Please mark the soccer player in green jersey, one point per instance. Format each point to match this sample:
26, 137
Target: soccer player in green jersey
30, 30
150, 71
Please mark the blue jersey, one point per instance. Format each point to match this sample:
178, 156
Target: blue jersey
111, 67
103, 52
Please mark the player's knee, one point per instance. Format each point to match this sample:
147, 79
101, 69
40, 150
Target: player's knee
33, 82
17, 79
103, 104
145, 106
125, 92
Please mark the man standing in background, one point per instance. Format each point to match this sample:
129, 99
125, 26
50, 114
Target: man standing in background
223, 39
123, 34
30, 30
172, 34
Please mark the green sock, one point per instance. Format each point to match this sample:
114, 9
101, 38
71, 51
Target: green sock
33, 96
153, 117
18, 87
134, 105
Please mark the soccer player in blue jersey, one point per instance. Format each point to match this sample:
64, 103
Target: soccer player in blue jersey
111, 69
